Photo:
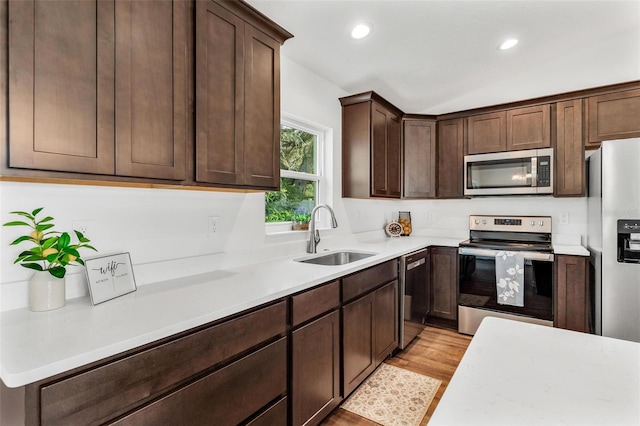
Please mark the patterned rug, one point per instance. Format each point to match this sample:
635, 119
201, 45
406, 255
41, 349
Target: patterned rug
393, 396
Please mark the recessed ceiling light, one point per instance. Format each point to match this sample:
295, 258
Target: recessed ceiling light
360, 31
508, 44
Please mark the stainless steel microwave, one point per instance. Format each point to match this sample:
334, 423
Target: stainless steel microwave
509, 173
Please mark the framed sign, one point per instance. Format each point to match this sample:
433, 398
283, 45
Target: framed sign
109, 277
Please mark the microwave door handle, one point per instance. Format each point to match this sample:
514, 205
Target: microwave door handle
534, 171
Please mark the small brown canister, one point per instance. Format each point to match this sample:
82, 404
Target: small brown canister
404, 219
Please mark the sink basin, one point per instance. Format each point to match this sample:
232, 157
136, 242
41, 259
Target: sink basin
336, 258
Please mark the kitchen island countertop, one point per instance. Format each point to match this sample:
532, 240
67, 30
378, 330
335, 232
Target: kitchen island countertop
515, 373
37, 345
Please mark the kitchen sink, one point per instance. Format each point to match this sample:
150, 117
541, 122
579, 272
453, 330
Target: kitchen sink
336, 258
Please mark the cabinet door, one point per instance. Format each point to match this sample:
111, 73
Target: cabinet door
358, 339
316, 370
262, 110
386, 160
219, 94
613, 116
61, 80
529, 128
444, 282
572, 294
487, 133
386, 321
356, 150
419, 152
394, 155
450, 158
151, 88
569, 157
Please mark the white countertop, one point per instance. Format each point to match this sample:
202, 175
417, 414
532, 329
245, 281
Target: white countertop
37, 345
570, 249
516, 373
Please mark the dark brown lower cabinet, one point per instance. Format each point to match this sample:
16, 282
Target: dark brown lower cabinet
386, 321
572, 293
224, 397
357, 345
315, 370
444, 282
370, 333
225, 372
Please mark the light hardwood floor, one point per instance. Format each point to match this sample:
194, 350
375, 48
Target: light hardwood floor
435, 353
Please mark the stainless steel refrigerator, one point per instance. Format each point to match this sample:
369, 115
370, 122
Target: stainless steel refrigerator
614, 238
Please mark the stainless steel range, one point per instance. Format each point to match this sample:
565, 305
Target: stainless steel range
506, 271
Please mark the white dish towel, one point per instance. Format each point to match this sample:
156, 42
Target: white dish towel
510, 278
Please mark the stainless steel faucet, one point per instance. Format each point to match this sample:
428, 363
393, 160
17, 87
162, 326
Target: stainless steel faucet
314, 235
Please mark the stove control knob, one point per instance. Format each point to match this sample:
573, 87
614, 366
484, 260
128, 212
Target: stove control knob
532, 223
484, 221
541, 223
477, 221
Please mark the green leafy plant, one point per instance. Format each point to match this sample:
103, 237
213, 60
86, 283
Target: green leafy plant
301, 215
53, 250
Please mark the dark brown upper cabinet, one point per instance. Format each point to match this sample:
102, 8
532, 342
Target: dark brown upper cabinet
420, 158
511, 130
99, 87
371, 147
529, 128
487, 133
450, 158
61, 85
569, 155
237, 95
152, 89
612, 116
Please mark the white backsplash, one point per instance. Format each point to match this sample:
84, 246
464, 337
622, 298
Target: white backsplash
158, 225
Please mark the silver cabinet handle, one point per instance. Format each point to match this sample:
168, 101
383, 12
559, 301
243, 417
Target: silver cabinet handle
415, 264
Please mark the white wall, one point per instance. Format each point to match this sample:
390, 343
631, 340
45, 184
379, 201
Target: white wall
449, 217
161, 224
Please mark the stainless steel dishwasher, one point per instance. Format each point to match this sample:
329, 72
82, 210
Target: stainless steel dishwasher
414, 295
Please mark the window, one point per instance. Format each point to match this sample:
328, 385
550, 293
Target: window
302, 180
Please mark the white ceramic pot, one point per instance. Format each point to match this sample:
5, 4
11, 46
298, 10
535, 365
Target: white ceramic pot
46, 292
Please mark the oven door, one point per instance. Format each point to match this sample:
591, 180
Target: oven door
478, 295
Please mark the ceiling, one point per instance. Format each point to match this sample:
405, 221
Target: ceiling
435, 57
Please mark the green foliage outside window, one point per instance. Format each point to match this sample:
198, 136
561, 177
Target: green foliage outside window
297, 153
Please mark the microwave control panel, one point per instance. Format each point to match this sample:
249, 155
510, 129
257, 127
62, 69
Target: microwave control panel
544, 171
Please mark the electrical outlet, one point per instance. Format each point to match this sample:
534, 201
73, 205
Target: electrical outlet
84, 226
430, 217
213, 226
564, 218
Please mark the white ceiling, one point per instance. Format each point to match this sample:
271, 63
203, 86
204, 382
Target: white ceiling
435, 57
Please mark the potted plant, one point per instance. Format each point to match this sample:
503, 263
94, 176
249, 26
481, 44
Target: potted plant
51, 253
301, 218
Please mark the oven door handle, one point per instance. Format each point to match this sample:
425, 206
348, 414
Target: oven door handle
528, 255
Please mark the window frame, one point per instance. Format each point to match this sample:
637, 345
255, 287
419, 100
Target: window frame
323, 190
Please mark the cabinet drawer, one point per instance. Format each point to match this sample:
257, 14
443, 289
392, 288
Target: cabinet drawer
315, 302
102, 393
225, 397
274, 416
361, 282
